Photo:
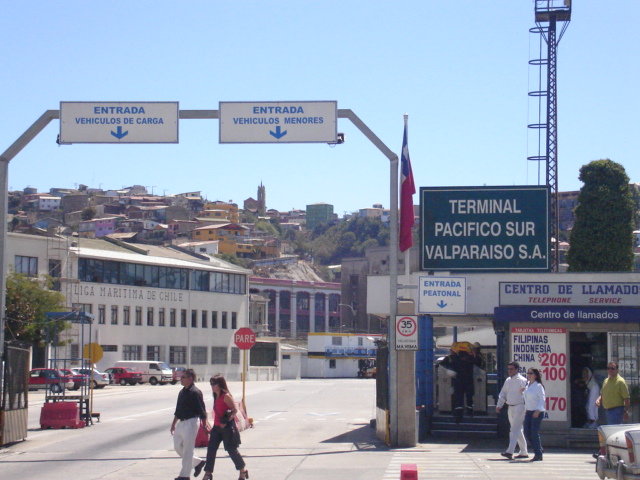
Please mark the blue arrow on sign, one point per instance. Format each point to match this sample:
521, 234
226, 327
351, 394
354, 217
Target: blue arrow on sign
119, 134
278, 134
441, 304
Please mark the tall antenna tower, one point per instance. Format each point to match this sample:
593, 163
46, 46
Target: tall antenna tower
550, 16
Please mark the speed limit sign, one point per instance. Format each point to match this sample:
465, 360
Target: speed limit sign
406, 332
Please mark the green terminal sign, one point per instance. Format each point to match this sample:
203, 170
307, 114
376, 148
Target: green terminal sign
484, 228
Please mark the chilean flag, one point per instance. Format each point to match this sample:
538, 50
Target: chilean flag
407, 189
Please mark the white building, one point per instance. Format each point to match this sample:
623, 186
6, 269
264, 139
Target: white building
49, 203
149, 302
204, 248
339, 355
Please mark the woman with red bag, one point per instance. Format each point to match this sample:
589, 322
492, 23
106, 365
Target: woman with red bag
224, 429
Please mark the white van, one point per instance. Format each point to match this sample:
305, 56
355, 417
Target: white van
152, 372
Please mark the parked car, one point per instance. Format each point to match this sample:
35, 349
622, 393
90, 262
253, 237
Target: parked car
99, 379
51, 378
152, 372
177, 371
619, 452
125, 376
79, 379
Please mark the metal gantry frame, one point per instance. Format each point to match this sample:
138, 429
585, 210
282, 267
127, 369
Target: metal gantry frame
394, 179
548, 13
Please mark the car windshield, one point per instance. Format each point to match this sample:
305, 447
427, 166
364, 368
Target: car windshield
163, 366
129, 369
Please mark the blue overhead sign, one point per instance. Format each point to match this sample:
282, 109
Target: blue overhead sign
484, 228
278, 122
567, 314
118, 122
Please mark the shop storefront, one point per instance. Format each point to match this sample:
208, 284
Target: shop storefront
570, 331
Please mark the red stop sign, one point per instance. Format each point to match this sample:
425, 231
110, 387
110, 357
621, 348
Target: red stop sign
244, 338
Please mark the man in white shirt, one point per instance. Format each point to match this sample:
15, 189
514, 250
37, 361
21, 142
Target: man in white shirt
512, 396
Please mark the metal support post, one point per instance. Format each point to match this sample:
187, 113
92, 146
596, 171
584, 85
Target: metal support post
393, 266
5, 158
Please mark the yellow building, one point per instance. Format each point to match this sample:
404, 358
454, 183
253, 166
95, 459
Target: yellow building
233, 214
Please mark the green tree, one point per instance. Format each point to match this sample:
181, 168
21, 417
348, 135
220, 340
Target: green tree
88, 213
28, 301
602, 236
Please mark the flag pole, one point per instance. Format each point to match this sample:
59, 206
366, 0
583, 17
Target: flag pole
407, 253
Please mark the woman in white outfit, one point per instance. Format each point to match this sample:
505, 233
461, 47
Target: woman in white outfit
594, 392
534, 404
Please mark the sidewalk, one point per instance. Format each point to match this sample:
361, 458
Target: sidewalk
369, 460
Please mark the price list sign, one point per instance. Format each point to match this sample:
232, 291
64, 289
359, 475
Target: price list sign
546, 350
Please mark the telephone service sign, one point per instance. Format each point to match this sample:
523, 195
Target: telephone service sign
484, 228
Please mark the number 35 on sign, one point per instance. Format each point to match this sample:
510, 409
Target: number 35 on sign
406, 332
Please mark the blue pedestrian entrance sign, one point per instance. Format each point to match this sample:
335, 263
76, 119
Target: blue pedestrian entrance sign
118, 122
278, 122
442, 295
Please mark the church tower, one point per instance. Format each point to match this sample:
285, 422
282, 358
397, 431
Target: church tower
262, 200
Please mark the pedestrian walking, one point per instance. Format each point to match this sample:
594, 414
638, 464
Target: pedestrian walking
224, 429
189, 415
614, 396
534, 400
593, 393
511, 395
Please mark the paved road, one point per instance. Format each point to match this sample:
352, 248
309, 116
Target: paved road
304, 430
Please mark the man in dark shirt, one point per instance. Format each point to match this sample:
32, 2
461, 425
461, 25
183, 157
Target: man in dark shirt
189, 409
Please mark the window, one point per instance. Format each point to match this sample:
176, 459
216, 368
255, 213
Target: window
332, 363
75, 351
336, 341
101, 314
199, 355
153, 353
126, 315
138, 315
150, 316
224, 319
235, 356
26, 265
286, 357
360, 341
109, 348
177, 355
172, 317
132, 352
194, 319
161, 317
114, 314
218, 355
214, 319
205, 322
234, 320
83, 307
183, 318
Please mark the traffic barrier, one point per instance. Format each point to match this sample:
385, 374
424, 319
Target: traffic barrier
409, 471
61, 415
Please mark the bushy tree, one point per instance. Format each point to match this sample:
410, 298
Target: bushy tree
88, 213
28, 301
602, 236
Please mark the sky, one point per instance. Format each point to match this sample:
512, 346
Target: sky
458, 68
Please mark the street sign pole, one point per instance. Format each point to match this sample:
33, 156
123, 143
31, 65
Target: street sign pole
244, 379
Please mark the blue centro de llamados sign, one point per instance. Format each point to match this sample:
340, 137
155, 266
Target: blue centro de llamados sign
484, 228
567, 314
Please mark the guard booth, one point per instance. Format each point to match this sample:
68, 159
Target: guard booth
80, 400
15, 387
